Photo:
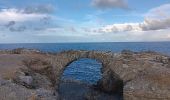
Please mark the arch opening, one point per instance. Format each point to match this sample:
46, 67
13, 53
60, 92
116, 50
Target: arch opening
85, 70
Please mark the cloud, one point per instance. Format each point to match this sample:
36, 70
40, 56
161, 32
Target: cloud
71, 29
13, 14
39, 23
152, 35
155, 19
17, 29
153, 24
48, 8
11, 23
108, 4
18, 20
118, 28
161, 12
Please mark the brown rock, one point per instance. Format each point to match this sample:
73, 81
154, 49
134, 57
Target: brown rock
110, 83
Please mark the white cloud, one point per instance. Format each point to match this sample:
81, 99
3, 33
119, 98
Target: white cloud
161, 35
18, 20
46, 8
168, 36
155, 24
105, 4
155, 27
14, 14
156, 19
161, 12
119, 28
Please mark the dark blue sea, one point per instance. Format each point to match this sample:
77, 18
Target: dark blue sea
88, 70
163, 47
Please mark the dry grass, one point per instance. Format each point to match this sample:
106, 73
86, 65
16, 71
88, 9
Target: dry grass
33, 97
17, 51
8, 76
36, 64
40, 66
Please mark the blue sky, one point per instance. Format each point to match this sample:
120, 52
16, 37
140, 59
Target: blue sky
51, 21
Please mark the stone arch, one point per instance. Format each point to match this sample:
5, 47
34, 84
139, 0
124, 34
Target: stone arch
110, 81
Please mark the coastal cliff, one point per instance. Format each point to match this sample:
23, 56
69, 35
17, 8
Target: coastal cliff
31, 74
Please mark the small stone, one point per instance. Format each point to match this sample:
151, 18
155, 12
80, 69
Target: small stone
125, 66
2, 81
152, 88
43, 92
26, 79
131, 87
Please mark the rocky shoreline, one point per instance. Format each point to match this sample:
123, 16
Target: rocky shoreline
35, 75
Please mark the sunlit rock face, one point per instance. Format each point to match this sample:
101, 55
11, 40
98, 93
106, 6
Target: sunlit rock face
141, 75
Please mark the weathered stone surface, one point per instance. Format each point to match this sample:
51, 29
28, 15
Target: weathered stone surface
130, 68
2, 81
145, 75
110, 83
36, 87
12, 91
168, 63
26, 79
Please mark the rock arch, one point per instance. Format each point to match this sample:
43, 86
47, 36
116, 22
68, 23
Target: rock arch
110, 81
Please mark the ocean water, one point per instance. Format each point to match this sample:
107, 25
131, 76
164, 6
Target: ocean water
163, 47
88, 70
84, 70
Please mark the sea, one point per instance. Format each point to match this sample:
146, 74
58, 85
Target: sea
89, 70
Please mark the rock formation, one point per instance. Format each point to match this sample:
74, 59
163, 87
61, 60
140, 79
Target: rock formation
138, 75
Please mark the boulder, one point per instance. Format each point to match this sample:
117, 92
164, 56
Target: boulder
26, 80
2, 81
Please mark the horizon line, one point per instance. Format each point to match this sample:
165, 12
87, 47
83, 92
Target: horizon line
83, 42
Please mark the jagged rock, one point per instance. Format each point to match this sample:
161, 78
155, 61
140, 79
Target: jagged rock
31, 79
162, 59
168, 63
26, 79
2, 81
46, 94
110, 83
12, 91
152, 84
127, 52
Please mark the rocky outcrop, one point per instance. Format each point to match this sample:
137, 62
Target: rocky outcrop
110, 83
140, 75
20, 51
12, 91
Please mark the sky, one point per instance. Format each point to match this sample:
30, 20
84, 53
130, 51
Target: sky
57, 21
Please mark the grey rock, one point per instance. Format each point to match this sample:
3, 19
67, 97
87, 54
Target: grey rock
2, 81
26, 79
